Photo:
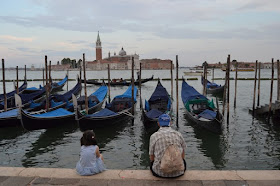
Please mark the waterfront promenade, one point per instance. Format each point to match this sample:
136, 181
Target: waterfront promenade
12, 176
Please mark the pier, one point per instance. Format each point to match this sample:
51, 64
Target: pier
55, 176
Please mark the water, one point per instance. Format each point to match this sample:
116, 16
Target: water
246, 143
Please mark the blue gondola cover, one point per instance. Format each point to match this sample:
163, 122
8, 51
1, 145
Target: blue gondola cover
102, 113
208, 114
9, 113
54, 113
188, 93
154, 113
159, 93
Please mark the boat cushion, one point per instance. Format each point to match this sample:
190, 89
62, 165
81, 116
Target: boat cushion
9, 113
208, 114
154, 113
101, 113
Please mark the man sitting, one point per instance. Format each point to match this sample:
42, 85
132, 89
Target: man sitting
167, 150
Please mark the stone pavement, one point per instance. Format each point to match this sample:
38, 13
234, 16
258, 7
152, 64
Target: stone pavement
12, 176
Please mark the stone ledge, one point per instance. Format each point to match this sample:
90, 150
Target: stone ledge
190, 175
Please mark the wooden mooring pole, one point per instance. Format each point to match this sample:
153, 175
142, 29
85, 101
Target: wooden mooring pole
228, 86
204, 78
271, 87
235, 84
213, 69
17, 80
255, 85
177, 92
171, 74
85, 84
50, 69
109, 84
67, 78
132, 84
4, 85
278, 80
44, 77
140, 76
259, 85
225, 90
47, 84
25, 76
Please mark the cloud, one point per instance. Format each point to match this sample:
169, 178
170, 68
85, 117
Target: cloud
14, 38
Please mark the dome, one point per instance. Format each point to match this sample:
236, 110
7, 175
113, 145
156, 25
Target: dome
122, 52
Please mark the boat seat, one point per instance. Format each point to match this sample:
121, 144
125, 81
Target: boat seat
160, 105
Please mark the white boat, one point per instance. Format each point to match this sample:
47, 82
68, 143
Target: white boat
195, 73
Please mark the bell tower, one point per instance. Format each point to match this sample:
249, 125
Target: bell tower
98, 48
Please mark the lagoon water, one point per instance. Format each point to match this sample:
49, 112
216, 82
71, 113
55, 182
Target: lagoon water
246, 143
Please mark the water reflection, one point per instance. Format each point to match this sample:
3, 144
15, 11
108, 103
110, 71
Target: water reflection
105, 135
213, 145
10, 133
46, 143
144, 157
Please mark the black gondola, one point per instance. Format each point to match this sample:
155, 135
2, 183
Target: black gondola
11, 94
9, 118
119, 82
61, 116
213, 88
26, 99
200, 110
158, 104
114, 112
95, 100
56, 100
56, 86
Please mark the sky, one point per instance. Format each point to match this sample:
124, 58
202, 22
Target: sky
195, 30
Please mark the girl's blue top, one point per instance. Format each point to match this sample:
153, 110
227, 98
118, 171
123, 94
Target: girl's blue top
89, 163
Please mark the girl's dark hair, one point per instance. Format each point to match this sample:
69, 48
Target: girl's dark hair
88, 138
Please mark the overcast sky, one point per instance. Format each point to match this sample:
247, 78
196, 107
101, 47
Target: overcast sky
195, 30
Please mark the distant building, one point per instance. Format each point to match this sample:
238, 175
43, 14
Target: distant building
60, 67
32, 67
156, 64
122, 61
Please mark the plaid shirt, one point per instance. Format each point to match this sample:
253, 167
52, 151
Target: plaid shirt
159, 142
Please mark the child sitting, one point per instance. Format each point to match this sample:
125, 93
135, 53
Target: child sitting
91, 161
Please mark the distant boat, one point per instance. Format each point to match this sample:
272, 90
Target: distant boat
195, 73
239, 69
213, 88
119, 82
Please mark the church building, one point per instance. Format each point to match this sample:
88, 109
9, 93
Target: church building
122, 61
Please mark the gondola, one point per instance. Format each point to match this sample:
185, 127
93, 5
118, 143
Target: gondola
95, 100
26, 99
200, 110
62, 116
119, 82
114, 112
33, 102
9, 118
212, 88
159, 103
11, 94
56, 100
56, 86
45, 120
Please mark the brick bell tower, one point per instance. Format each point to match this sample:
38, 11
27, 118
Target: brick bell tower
98, 48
